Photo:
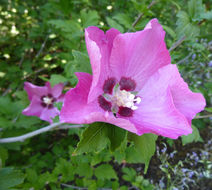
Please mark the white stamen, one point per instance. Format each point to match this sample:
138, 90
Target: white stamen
47, 100
138, 100
134, 107
125, 99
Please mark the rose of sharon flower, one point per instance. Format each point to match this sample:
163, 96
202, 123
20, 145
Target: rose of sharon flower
42, 100
134, 86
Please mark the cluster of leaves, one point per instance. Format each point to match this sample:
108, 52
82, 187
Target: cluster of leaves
44, 41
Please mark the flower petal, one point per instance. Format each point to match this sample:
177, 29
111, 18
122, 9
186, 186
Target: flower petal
56, 91
33, 90
139, 55
186, 101
76, 109
99, 47
35, 108
157, 112
48, 114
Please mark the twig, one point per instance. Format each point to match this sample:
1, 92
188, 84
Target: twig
36, 72
37, 132
177, 43
42, 47
203, 116
184, 59
141, 14
6, 91
73, 187
21, 61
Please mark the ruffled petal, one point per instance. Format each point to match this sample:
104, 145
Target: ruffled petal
76, 109
35, 108
56, 91
157, 112
33, 90
48, 114
158, 115
186, 101
139, 55
99, 47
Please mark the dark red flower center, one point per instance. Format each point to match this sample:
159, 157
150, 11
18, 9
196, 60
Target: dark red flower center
48, 101
119, 97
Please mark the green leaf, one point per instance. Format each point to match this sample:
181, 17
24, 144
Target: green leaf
84, 169
170, 31
123, 19
58, 105
3, 156
119, 156
208, 110
116, 136
195, 9
143, 150
94, 139
55, 79
129, 174
81, 62
207, 15
185, 27
10, 178
65, 168
105, 171
70, 27
89, 18
193, 137
113, 24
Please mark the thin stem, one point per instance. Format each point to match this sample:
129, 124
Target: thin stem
141, 14
42, 47
203, 116
184, 59
37, 132
177, 43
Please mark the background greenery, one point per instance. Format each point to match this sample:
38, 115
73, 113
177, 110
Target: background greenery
43, 40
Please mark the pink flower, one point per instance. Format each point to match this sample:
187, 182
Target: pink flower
42, 100
134, 86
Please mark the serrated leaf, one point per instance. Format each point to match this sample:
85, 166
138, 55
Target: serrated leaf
71, 29
129, 174
169, 31
65, 168
84, 169
193, 137
55, 79
195, 9
113, 24
94, 139
123, 19
143, 150
185, 27
91, 139
89, 18
116, 136
105, 171
10, 178
81, 62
